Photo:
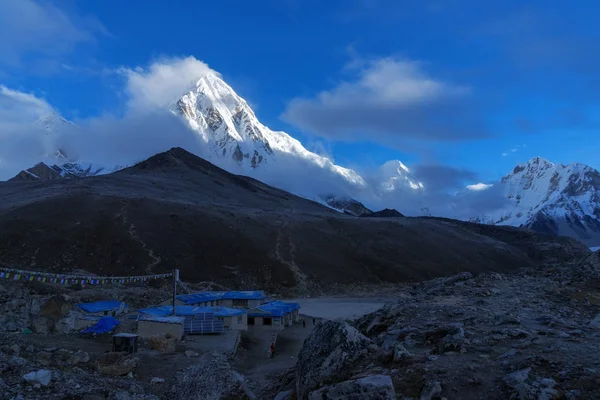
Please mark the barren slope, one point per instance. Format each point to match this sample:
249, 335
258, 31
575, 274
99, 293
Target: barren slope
176, 210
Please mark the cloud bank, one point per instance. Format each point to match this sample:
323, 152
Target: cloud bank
163, 82
390, 101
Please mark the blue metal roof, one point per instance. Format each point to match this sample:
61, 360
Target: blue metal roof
274, 308
166, 320
198, 297
101, 306
201, 297
245, 295
163, 311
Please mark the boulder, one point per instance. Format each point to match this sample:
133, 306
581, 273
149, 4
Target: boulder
376, 387
329, 351
212, 378
400, 353
517, 383
287, 395
40, 325
116, 364
66, 324
447, 338
430, 390
79, 357
595, 323
14, 350
34, 307
41, 377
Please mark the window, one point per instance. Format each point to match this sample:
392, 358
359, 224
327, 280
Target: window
239, 319
250, 320
267, 321
240, 303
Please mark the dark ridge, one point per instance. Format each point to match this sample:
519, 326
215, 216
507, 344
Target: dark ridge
385, 213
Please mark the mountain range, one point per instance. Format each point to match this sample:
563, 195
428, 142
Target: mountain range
178, 210
549, 198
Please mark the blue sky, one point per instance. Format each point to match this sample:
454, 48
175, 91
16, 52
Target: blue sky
473, 85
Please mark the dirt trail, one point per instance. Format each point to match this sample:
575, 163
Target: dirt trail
281, 245
133, 234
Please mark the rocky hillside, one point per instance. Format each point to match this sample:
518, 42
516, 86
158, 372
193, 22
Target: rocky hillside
528, 336
177, 210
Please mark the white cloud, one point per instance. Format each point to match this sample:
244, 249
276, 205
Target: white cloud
479, 186
23, 141
514, 150
163, 82
19, 107
389, 100
41, 29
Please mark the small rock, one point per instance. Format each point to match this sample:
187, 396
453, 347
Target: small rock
79, 357
511, 353
595, 323
157, 380
191, 353
41, 377
548, 382
400, 353
517, 382
548, 394
62, 354
14, 350
287, 395
430, 390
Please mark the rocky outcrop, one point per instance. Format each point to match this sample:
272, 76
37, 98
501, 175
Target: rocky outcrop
22, 378
328, 353
376, 387
211, 379
536, 332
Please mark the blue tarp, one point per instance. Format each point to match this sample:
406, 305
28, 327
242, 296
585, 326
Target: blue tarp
101, 306
274, 308
105, 324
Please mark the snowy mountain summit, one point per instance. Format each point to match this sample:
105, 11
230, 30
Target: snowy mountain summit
226, 122
552, 198
231, 131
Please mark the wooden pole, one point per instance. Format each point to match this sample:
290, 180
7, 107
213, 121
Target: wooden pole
175, 279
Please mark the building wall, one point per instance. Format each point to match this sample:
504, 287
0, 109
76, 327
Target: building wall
239, 322
151, 328
276, 324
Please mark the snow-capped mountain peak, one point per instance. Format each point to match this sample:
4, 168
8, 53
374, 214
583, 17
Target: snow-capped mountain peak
394, 175
552, 198
232, 132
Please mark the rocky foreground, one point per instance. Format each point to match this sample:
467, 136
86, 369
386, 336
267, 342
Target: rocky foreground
533, 335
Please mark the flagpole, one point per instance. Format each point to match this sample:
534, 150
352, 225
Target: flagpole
175, 279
